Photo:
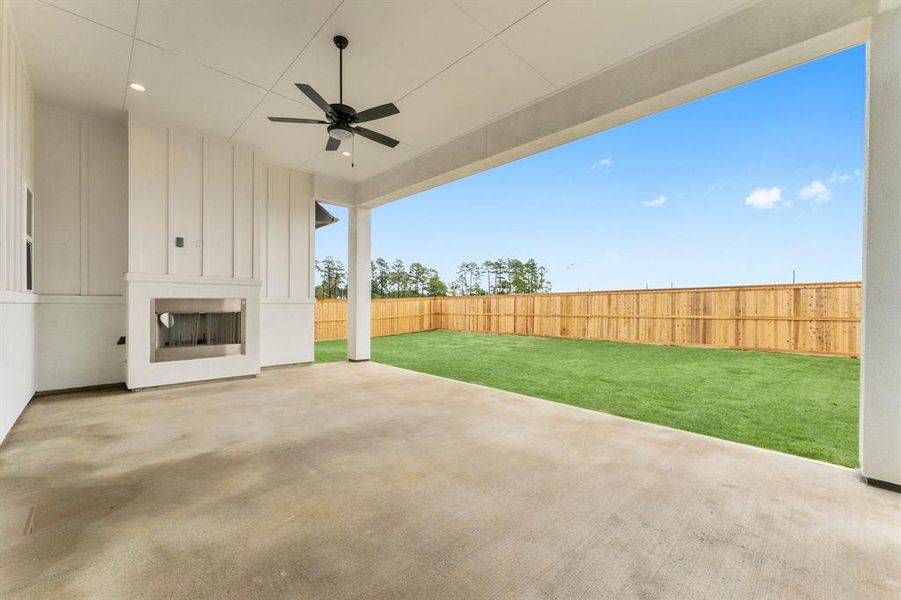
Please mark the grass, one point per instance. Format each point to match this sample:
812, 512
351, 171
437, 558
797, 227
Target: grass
804, 405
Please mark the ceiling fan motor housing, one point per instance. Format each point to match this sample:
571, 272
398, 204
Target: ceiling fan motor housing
344, 112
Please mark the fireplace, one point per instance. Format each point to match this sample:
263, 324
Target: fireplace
192, 328
183, 329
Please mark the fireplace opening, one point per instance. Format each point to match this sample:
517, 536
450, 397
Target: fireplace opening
191, 328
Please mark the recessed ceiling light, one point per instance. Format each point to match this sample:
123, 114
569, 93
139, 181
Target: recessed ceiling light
345, 153
137, 86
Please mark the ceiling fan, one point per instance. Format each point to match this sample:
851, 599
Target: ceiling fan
342, 119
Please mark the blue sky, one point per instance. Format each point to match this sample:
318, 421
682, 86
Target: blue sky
737, 188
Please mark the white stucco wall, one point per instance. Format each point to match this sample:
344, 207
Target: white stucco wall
76, 341
880, 391
16, 357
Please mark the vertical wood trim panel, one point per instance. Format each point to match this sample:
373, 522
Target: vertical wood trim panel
13, 185
204, 207
133, 233
256, 240
292, 284
83, 203
234, 208
18, 234
20, 180
22, 125
9, 181
268, 262
11, 173
29, 162
311, 250
170, 209
5, 233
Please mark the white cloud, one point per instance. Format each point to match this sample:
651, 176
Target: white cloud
815, 191
765, 198
837, 177
658, 201
604, 163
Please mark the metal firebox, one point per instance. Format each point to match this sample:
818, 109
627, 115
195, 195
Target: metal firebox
192, 328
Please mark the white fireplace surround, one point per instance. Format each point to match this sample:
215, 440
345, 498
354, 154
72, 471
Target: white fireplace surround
141, 289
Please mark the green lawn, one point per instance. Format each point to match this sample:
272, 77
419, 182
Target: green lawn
804, 405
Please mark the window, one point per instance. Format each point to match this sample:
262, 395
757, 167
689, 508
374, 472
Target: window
29, 239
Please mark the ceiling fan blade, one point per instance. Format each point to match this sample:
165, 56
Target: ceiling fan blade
375, 136
313, 95
293, 120
378, 112
332, 144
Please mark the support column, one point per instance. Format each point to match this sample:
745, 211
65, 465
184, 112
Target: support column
880, 374
359, 284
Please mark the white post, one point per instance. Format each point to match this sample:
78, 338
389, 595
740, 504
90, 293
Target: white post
359, 284
880, 375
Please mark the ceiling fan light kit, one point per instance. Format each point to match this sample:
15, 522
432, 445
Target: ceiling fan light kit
340, 132
342, 120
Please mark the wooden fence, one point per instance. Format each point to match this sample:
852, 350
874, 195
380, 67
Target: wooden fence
389, 317
821, 318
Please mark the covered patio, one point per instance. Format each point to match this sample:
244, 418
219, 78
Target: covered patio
397, 484
140, 168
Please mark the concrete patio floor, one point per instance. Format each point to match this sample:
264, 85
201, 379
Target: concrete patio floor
364, 480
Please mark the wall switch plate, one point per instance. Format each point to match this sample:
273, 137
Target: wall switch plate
199, 243
179, 242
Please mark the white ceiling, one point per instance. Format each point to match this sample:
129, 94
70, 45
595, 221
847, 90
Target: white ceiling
223, 67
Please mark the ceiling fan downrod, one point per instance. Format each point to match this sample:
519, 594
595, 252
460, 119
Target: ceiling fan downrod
341, 42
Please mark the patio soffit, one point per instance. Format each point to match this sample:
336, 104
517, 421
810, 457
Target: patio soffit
477, 82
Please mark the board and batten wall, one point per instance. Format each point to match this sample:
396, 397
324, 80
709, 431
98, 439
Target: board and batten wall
17, 305
81, 245
240, 222
287, 262
192, 233
199, 188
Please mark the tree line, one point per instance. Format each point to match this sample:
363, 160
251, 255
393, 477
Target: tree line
397, 280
